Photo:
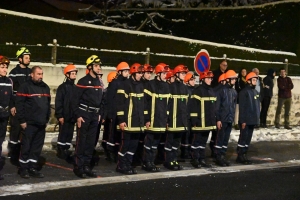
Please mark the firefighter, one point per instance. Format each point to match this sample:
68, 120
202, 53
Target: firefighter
222, 82
138, 156
203, 119
86, 107
249, 111
157, 94
63, 111
189, 81
170, 78
107, 125
6, 94
33, 113
177, 119
19, 75
225, 111
130, 113
114, 138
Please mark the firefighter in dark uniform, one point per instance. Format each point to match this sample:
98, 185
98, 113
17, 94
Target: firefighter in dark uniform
19, 75
114, 138
86, 107
33, 112
212, 143
225, 111
160, 158
249, 112
6, 94
177, 119
107, 125
63, 112
203, 118
157, 94
130, 112
189, 81
138, 156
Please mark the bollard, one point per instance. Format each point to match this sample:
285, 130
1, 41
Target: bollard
286, 67
54, 52
147, 58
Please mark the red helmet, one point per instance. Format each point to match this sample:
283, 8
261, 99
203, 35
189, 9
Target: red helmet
162, 67
251, 75
169, 74
111, 76
208, 74
136, 67
188, 77
4, 60
180, 68
221, 78
122, 66
230, 74
148, 68
70, 68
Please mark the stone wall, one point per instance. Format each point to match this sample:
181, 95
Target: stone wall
53, 76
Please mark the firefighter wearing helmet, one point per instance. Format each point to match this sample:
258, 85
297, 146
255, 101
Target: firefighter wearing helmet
148, 70
6, 94
64, 113
86, 105
107, 123
157, 94
177, 119
222, 82
225, 112
114, 138
249, 112
186, 139
130, 114
170, 77
19, 75
203, 119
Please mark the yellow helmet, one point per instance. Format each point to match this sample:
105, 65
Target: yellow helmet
22, 51
93, 59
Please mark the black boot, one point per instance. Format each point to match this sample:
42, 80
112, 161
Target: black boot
170, 166
204, 164
125, 170
225, 160
79, 172
195, 163
220, 161
87, 170
241, 159
147, 166
34, 173
249, 162
61, 153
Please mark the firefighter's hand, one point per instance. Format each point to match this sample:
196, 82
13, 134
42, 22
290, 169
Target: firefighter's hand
122, 126
103, 120
79, 120
61, 120
147, 125
219, 125
24, 125
13, 111
243, 125
99, 118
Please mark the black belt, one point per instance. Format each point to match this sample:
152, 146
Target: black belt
89, 108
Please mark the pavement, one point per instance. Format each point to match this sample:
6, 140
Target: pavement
58, 173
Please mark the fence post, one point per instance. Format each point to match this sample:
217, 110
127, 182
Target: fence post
286, 67
147, 59
54, 52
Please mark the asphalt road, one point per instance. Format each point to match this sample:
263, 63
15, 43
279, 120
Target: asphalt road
275, 180
280, 183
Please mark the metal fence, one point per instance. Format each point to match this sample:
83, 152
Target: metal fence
55, 54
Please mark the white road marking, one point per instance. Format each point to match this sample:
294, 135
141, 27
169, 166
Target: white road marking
20, 189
